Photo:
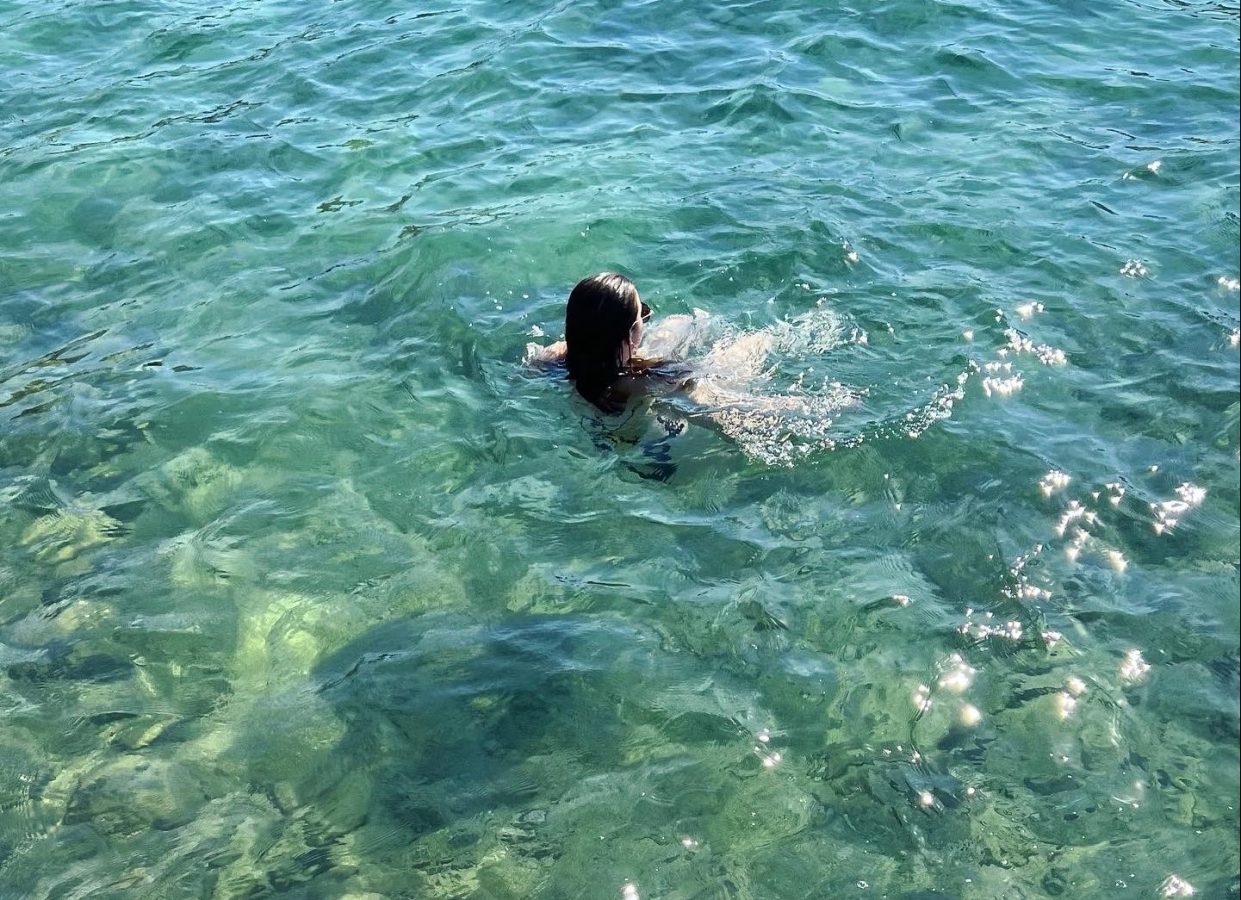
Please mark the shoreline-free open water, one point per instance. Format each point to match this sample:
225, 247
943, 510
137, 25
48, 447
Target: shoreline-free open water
308, 589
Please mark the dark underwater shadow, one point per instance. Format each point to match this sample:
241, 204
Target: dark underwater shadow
443, 715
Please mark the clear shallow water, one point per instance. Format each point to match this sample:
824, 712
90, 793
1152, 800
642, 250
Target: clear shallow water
306, 589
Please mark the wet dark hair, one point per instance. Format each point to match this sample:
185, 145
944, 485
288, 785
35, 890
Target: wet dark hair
598, 317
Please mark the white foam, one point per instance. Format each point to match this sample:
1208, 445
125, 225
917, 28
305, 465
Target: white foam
775, 423
1134, 667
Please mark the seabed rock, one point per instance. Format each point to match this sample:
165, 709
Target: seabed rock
195, 483
134, 793
63, 535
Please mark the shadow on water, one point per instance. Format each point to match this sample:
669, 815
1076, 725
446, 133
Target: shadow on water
491, 760
445, 718
460, 702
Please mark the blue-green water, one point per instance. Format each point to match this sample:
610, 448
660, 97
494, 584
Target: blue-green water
309, 589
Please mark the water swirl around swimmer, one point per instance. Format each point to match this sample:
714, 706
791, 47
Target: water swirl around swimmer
765, 388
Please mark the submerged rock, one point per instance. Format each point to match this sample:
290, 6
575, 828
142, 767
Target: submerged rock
195, 483
62, 535
135, 793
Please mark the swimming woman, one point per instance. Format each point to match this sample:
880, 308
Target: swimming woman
726, 388
604, 322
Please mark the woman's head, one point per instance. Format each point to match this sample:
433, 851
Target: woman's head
602, 329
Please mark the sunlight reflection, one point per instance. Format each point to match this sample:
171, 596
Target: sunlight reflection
1053, 481
1176, 886
1135, 798
772, 760
922, 698
1065, 704
1000, 380
1072, 513
959, 676
1011, 630
1044, 353
1168, 513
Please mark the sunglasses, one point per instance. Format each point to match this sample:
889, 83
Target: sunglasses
646, 312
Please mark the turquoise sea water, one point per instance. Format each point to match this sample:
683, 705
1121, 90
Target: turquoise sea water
309, 589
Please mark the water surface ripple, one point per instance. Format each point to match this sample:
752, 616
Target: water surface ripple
308, 589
